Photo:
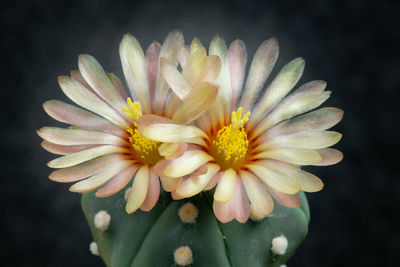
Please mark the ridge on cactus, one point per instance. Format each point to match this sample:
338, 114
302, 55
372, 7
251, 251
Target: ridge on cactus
178, 166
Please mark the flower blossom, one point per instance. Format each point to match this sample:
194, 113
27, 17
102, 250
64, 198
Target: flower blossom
102, 149
255, 140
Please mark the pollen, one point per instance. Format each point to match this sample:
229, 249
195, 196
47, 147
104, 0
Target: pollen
230, 144
146, 149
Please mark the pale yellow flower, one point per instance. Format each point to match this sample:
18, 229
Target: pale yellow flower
256, 140
103, 148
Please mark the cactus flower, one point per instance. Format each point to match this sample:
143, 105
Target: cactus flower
255, 141
103, 149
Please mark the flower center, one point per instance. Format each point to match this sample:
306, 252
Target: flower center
230, 146
146, 149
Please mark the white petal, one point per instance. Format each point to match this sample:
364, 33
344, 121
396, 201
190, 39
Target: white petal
135, 70
101, 178
226, 186
81, 96
139, 190
261, 66
79, 157
278, 89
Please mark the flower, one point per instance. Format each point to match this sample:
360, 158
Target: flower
103, 148
255, 146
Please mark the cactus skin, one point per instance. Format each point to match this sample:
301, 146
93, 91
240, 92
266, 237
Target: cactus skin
149, 239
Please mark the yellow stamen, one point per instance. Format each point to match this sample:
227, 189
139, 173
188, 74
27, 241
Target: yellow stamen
230, 145
146, 149
134, 111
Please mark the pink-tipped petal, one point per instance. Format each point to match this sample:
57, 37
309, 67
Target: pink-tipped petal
70, 137
84, 98
118, 85
193, 185
278, 89
170, 184
213, 68
83, 170
64, 150
97, 78
198, 101
172, 151
153, 193
263, 62
118, 182
237, 207
183, 55
306, 98
290, 201
169, 50
213, 182
226, 186
329, 156
174, 78
139, 190
176, 196
261, 204
70, 114
184, 165
237, 60
100, 178
135, 70
152, 54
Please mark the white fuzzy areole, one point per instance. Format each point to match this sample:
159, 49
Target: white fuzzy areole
102, 220
94, 249
188, 213
183, 256
279, 245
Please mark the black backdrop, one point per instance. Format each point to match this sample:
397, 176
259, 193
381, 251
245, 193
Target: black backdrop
351, 44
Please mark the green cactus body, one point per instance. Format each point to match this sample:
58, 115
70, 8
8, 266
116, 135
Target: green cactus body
150, 238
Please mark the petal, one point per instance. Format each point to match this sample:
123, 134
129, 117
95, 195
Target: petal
213, 182
298, 156
139, 190
152, 54
320, 119
290, 201
184, 165
236, 208
308, 139
118, 85
170, 184
308, 182
297, 103
329, 157
183, 55
118, 182
70, 114
81, 96
198, 101
82, 156
135, 70
153, 192
98, 80
223, 105
261, 204
169, 50
174, 79
278, 89
61, 136
172, 150
164, 130
83, 170
226, 186
196, 64
237, 60
64, 150
101, 178
279, 179
263, 61
195, 184
212, 69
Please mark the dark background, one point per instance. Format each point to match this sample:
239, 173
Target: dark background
351, 44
